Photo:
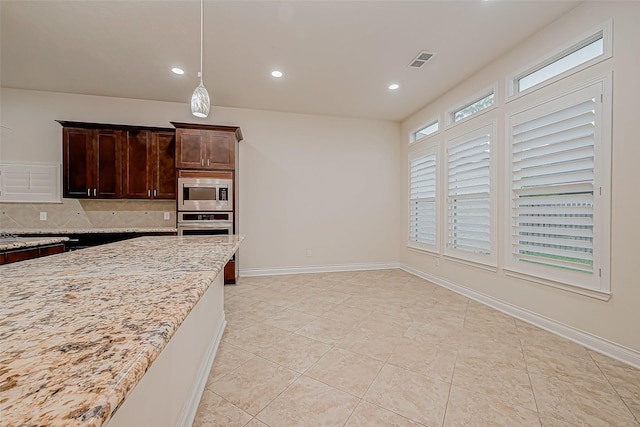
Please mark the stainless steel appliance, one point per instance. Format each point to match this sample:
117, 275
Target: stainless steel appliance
206, 207
205, 223
205, 194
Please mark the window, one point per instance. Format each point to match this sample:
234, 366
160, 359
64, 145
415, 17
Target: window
558, 155
588, 51
469, 204
425, 131
474, 107
422, 201
29, 183
481, 102
559, 66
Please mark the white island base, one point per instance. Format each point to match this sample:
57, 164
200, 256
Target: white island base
169, 392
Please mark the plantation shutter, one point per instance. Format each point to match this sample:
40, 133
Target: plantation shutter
553, 187
422, 203
468, 196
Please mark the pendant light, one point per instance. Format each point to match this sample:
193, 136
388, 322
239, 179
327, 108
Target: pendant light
200, 103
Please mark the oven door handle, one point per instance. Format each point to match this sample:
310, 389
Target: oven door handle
195, 224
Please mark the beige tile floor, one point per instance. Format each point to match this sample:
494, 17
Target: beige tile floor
385, 348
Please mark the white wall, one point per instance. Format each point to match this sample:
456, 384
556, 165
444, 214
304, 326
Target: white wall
316, 183
615, 320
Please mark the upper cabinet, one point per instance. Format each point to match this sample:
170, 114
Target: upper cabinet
149, 165
92, 166
206, 146
164, 175
118, 161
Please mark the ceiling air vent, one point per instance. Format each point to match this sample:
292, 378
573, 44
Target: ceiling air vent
420, 60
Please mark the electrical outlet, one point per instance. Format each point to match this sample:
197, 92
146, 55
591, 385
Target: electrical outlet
308, 252
43, 216
167, 216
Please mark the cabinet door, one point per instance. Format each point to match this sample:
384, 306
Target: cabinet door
190, 149
77, 147
20, 255
137, 165
107, 154
56, 248
164, 177
220, 150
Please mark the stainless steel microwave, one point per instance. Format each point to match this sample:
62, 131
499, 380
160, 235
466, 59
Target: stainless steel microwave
205, 194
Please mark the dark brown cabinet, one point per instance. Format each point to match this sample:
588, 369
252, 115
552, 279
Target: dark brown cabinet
92, 163
206, 146
148, 165
118, 161
164, 154
16, 255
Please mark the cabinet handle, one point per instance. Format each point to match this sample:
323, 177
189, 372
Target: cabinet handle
202, 162
94, 192
148, 193
208, 162
88, 192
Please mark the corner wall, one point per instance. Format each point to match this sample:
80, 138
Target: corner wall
615, 321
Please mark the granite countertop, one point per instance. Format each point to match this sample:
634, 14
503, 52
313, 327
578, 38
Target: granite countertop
79, 333
56, 231
7, 244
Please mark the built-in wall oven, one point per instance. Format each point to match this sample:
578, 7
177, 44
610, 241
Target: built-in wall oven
205, 223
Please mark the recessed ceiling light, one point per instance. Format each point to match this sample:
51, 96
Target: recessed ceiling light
277, 74
394, 86
177, 70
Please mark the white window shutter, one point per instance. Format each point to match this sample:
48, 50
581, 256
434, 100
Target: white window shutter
553, 188
469, 194
29, 183
422, 200
560, 168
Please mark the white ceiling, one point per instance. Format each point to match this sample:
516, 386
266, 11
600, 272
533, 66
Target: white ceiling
338, 56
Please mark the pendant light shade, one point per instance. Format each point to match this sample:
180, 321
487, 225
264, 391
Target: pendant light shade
200, 103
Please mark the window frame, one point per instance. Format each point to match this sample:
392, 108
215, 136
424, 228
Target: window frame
567, 280
606, 29
478, 96
425, 148
480, 260
412, 135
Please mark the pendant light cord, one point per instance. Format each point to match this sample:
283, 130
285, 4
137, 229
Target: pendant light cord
201, 35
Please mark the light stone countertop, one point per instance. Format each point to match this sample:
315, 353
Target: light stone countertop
28, 242
80, 329
50, 231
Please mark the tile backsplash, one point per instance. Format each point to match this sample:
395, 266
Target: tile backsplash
79, 213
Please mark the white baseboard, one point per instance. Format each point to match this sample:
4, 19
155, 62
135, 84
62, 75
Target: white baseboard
191, 407
250, 272
608, 348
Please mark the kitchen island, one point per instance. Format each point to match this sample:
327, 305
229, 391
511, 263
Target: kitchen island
79, 330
